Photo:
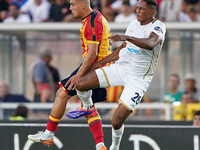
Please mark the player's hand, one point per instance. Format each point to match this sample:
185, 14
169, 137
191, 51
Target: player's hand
95, 66
116, 38
72, 81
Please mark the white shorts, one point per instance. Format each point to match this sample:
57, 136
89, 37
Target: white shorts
134, 86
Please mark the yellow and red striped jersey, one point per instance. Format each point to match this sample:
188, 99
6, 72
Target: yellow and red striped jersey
95, 29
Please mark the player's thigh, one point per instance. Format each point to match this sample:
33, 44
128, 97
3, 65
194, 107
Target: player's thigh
131, 97
62, 83
108, 76
88, 82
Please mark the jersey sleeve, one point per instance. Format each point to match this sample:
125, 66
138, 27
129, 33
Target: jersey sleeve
159, 29
94, 32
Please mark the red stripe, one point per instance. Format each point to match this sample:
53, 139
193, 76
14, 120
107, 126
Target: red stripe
115, 94
63, 87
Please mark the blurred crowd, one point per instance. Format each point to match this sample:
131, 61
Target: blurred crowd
122, 11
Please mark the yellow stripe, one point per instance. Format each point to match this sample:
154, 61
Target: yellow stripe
93, 42
106, 77
125, 105
159, 50
154, 20
115, 137
157, 58
119, 90
119, 130
93, 119
62, 86
149, 66
54, 119
110, 94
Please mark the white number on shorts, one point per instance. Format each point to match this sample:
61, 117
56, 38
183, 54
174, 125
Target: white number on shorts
136, 99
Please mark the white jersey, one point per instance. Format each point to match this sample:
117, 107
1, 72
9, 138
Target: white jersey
139, 61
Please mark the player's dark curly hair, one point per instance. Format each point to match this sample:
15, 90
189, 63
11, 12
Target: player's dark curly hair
151, 3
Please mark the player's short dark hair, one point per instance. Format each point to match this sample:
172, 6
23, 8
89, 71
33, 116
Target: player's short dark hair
197, 113
151, 3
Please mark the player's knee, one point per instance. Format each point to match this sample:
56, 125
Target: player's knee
116, 125
79, 86
60, 94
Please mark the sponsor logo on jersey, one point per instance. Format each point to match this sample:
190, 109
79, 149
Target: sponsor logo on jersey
158, 29
133, 50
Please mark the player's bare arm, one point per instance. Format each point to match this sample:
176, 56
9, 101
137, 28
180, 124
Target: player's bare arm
111, 58
85, 67
147, 43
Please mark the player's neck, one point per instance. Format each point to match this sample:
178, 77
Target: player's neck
146, 21
86, 13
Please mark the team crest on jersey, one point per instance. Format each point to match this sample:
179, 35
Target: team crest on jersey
158, 29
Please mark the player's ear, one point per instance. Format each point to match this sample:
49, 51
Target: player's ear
152, 11
82, 5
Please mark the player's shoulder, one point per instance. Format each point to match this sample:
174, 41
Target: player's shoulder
96, 20
158, 26
95, 16
158, 23
135, 21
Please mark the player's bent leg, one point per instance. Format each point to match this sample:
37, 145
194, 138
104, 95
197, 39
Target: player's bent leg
60, 103
118, 120
87, 110
88, 82
120, 116
54, 119
83, 88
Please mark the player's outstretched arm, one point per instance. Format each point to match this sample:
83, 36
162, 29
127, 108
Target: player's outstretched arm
113, 56
147, 43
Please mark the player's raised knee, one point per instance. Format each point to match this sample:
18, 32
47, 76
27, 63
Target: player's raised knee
61, 93
80, 86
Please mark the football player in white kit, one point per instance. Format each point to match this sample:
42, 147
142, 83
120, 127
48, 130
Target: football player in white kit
135, 61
